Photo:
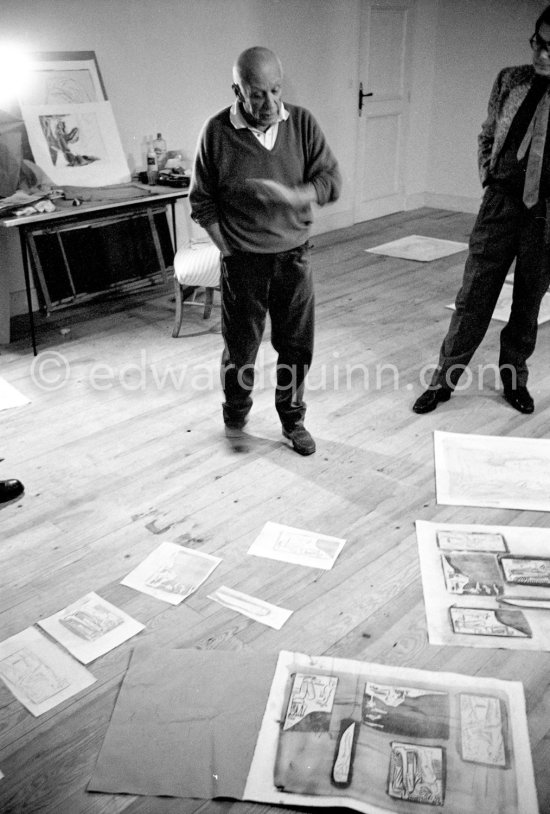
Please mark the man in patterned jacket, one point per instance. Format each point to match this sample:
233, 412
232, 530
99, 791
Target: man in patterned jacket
513, 223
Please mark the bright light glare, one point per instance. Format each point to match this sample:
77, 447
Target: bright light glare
15, 71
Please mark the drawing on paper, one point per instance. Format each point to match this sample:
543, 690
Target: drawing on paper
526, 570
471, 541
178, 574
406, 711
91, 621
483, 730
299, 546
31, 676
241, 603
72, 139
342, 769
310, 703
417, 773
308, 545
171, 572
489, 622
53, 87
468, 572
251, 606
477, 470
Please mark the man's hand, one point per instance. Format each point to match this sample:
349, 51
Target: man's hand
268, 191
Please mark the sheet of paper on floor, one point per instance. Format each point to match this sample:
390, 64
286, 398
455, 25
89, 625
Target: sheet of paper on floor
298, 546
10, 396
480, 583
493, 471
39, 673
185, 723
308, 731
90, 627
171, 572
418, 247
251, 606
504, 305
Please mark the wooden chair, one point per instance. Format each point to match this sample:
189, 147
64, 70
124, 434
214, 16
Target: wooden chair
196, 267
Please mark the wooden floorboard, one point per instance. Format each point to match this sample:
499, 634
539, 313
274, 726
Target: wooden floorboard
128, 451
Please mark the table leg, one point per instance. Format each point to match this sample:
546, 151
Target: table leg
174, 237
25, 259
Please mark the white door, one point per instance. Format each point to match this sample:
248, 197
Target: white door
382, 116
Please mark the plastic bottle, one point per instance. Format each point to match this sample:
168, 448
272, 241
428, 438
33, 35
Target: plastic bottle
159, 146
152, 167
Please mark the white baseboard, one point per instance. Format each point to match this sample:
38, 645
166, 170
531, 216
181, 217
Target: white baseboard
415, 201
327, 221
18, 302
457, 203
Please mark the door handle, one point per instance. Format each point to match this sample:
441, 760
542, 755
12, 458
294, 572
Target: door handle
362, 96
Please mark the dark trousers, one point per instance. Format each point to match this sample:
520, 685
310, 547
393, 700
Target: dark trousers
504, 230
252, 286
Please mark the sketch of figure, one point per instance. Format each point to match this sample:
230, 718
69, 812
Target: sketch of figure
311, 697
482, 729
417, 773
69, 87
91, 621
30, 676
59, 139
61, 86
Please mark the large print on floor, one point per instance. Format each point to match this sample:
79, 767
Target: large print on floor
316, 731
486, 586
494, 471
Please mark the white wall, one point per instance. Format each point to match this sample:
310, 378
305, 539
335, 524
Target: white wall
474, 39
166, 65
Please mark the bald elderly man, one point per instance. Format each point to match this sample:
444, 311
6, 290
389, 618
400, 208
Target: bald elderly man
259, 167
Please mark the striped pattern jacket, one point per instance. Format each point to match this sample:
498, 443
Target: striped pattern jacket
509, 90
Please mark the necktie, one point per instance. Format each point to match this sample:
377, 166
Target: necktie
536, 136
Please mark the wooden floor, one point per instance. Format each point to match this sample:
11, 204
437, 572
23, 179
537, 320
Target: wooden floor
122, 448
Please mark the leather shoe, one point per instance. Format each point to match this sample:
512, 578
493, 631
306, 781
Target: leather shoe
302, 440
10, 490
520, 398
429, 400
234, 429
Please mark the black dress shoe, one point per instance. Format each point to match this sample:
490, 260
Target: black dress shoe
10, 490
520, 398
429, 400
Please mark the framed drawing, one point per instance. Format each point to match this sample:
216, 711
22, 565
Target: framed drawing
69, 121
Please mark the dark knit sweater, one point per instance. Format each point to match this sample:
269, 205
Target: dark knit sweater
227, 157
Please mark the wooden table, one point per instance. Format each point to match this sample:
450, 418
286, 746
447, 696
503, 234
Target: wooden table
96, 214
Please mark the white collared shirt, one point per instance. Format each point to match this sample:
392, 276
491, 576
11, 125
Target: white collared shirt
266, 138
